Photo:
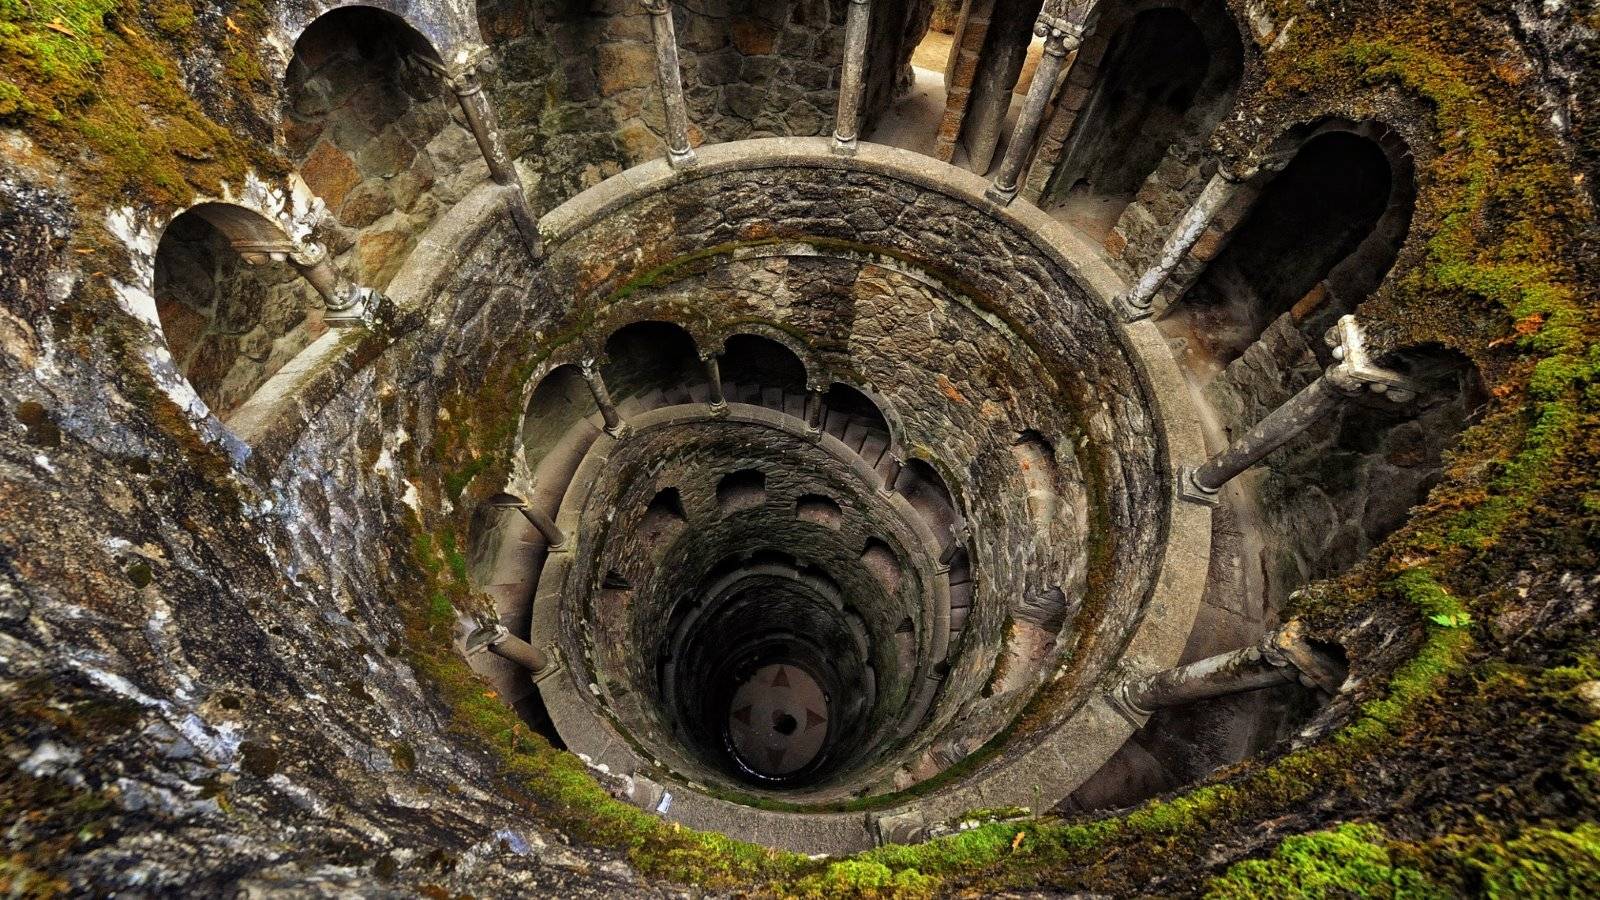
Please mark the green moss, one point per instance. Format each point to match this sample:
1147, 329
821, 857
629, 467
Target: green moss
1348, 861
1540, 863
92, 87
864, 879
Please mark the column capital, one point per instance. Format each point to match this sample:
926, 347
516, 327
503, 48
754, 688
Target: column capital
461, 70
1354, 373
1061, 35
658, 7
308, 253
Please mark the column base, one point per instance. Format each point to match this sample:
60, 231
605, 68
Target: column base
1191, 491
1132, 312
681, 159
1120, 699
719, 410
552, 668
1000, 195
620, 432
845, 146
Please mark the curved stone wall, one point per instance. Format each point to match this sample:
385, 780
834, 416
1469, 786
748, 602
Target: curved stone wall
1010, 381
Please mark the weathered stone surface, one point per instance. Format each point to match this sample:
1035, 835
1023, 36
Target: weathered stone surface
624, 66
330, 173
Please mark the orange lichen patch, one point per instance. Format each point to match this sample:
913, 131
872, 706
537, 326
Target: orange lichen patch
948, 388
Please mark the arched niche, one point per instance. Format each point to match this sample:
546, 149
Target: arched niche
1167, 76
648, 357
754, 360
741, 490
367, 122
561, 401
231, 319
1318, 238
855, 418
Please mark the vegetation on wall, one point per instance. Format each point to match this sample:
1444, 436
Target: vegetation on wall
1491, 271
102, 86
1494, 269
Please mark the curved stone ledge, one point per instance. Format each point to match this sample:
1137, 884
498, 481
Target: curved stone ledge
576, 718
1041, 767
275, 417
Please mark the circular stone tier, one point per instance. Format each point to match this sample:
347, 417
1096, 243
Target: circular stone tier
938, 536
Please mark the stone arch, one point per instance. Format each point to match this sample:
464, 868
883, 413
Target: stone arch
367, 121
232, 309
853, 416
649, 356
1161, 81
560, 402
758, 359
1315, 237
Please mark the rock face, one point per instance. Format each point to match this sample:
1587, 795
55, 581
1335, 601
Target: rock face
219, 660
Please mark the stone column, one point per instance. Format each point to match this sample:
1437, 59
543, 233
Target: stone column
494, 638
346, 303
615, 426
891, 483
670, 77
1352, 375
847, 122
814, 409
719, 403
1281, 657
1060, 38
1137, 301
959, 534
553, 536
461, 74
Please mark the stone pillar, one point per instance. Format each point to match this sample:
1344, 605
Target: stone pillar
847, 123
547, 528
461, 74
814, 409
1060, 38
615, 426
959, 533
897, 467
1281, 657
670, 77
1137, 301
494, 638
719, 403
346, 303
1351, 375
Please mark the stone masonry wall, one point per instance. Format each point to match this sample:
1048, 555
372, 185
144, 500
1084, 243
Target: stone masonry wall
952, 398
208, 668
577, 86
371, 130
229, 325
